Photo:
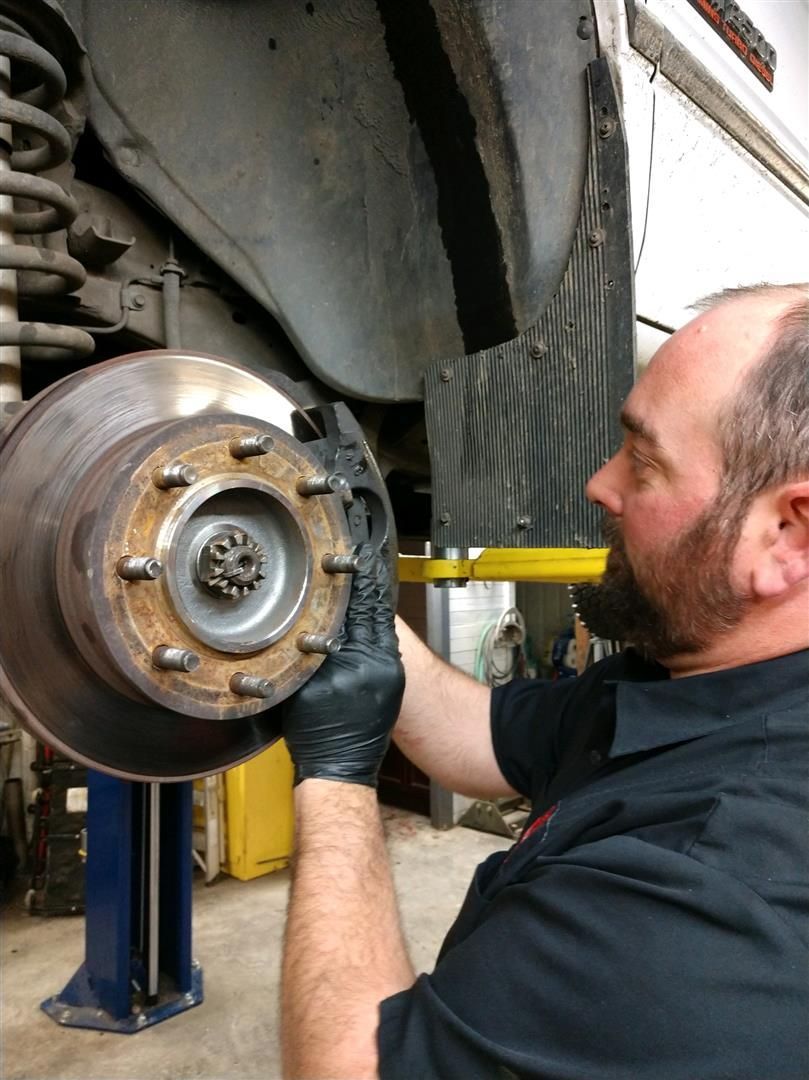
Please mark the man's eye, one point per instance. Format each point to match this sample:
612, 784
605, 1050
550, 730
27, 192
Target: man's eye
638, 461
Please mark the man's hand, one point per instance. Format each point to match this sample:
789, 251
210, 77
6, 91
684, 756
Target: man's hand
337, 726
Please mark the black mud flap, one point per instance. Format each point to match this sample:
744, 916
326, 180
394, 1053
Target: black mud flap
515, 431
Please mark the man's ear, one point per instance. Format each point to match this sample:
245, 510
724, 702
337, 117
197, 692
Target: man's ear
784, 560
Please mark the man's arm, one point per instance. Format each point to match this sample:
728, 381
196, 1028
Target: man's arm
444, 726
343, 951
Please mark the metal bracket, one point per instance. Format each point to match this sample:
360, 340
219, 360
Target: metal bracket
503, 817
561, 566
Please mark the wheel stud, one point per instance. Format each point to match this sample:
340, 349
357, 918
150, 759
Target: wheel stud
322, 485
138, 568
171, 659
318, 643
250, 685
173, 476
340, 564
250, 446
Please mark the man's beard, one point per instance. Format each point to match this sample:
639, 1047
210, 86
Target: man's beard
671, 601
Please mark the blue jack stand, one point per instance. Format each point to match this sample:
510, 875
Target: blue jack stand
137, 969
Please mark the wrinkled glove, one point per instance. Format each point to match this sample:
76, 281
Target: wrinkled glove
338, 725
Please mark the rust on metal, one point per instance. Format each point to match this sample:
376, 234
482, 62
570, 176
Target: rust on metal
136, 516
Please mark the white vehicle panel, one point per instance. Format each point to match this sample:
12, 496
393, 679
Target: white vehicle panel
706, 214
784, 111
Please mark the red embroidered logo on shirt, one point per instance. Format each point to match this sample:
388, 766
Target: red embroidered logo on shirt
543, 819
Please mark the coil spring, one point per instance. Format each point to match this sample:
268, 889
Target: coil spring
43, 272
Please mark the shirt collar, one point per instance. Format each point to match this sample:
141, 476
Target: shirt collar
653, 710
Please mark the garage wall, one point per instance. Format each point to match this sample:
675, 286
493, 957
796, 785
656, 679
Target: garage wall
471, 610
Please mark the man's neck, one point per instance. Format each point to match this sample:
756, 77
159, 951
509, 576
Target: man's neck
769, 631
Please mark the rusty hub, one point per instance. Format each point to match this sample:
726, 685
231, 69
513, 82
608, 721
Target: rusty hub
176, 578
231, 564
253, 499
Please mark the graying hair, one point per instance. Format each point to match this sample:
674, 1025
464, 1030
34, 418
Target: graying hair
764, 431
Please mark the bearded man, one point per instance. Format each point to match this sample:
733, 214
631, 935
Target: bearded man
653, 919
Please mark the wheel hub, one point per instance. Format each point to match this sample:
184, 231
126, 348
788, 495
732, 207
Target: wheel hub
188, 551
231, 564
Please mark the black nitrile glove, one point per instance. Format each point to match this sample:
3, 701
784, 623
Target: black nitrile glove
338, 725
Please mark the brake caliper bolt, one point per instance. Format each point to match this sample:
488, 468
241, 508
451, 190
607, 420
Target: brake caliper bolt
318, 643
138, 568
250, 685
169, 658
173, 476
250, 446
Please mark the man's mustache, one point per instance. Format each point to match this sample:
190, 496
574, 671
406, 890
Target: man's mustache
611, 530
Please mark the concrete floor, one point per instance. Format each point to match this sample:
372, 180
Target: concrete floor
238, 926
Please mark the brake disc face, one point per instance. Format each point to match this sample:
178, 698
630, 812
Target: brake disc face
170, 562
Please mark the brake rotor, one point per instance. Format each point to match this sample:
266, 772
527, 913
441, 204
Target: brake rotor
167, 563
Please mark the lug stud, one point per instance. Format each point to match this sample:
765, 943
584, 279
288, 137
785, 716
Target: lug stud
250, 685
170, 659
322, 485
173, 476
250, 446
318, 643
138, 568
340, 564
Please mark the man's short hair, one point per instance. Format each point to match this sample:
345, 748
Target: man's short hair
764, 431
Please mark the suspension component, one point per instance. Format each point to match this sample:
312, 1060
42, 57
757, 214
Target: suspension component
180, 591
26, 269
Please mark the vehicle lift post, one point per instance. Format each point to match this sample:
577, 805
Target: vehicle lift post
137, 968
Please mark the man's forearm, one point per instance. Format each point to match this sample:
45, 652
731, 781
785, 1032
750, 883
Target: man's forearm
343, 951
443, 727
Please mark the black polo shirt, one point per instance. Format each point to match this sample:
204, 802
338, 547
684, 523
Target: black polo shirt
653, 921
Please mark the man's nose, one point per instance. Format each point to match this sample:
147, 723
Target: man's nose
603, 488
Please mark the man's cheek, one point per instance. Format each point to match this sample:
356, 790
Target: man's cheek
644, 533
656, 521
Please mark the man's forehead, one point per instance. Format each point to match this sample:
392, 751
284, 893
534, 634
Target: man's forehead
716, 347
701, 365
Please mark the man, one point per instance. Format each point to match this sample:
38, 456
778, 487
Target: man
653, 920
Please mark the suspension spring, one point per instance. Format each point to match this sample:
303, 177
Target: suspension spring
25, 269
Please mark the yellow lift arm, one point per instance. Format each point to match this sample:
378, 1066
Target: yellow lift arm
562, 566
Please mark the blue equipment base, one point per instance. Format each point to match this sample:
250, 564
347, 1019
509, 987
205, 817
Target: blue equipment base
79, 1006
137, 910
